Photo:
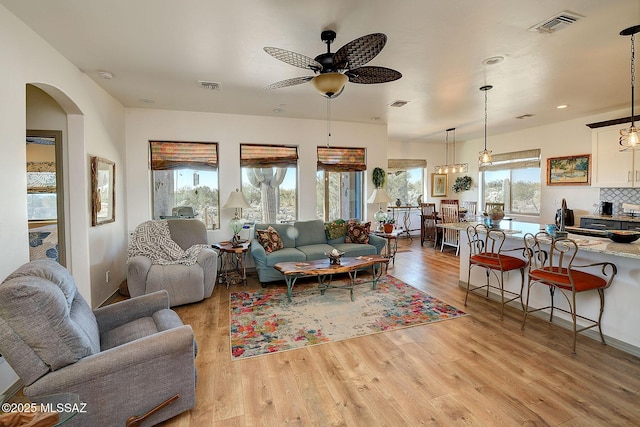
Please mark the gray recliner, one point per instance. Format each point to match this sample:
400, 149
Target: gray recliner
123, 360
184, 283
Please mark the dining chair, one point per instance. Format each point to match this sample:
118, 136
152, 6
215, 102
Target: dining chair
555, 269
490, 205
428, 230
449, 214
471, 208
486, 251
449, 202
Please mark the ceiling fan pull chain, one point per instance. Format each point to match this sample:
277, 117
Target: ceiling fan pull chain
328, 121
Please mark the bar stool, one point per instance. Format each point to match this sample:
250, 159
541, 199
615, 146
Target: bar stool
485, 251
557, 271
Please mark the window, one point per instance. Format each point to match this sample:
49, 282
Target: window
339, 183
269, 182
41, 191
513, 179
185, 181
405, 180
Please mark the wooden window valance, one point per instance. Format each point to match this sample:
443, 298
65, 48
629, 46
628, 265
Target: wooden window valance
341, 159
261, 156
395, 165
167, 155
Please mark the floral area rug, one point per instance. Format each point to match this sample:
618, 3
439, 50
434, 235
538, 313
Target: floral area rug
264, 322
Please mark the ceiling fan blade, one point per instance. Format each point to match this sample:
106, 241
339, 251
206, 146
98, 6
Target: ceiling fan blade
371, 75
358, 52
289, 82
293, 58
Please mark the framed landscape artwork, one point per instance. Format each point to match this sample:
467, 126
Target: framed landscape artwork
569, 170
438, 184
103, 198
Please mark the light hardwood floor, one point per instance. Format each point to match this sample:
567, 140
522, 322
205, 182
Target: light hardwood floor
477, 370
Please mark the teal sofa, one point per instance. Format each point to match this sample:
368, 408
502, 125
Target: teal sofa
305, 241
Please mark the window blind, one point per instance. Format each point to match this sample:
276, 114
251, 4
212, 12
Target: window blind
255, 155
341, 159
514, 160
405, 164
167, 155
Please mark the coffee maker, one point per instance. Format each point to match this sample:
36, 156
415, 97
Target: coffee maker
606, 208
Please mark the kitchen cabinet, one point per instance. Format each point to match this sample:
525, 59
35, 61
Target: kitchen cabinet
611, 167
629, 225
601, 224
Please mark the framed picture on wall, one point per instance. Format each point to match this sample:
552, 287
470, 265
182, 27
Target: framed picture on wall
103, 197
438, 184
569, 170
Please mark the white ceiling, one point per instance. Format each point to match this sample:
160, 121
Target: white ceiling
158, 50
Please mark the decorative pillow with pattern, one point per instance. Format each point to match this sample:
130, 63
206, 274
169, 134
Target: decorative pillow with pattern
269, 239
357, 233
335, 229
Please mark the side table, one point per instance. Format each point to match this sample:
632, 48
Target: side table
392, 245
233, 262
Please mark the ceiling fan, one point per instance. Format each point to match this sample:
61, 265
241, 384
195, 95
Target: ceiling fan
333, 70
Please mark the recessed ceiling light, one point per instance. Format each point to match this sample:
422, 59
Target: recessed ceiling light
105, 75
561, 106
146, 101
493, 60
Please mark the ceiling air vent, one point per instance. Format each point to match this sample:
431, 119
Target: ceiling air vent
398, 103
209, 85
557, 22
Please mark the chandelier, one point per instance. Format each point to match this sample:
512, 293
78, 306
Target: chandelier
453, 167
629, 137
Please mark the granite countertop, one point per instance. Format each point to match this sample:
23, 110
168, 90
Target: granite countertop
627, 218
517, 230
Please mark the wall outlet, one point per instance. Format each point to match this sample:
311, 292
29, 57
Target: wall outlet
107, 276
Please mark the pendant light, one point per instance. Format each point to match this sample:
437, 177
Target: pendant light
629, 137
485, 155
451, 167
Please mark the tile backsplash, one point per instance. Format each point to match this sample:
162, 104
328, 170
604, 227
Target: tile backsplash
618, 196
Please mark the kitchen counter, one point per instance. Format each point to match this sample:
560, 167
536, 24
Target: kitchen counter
621, 315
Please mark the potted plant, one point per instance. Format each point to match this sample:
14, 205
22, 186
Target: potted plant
389, 224
462, 183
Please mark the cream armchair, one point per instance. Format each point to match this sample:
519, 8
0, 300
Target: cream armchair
184, 283
131, 362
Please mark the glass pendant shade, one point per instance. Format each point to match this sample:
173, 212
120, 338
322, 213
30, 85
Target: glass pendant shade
330, 85
629, 137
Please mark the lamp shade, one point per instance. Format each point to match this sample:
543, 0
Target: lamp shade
329, 84
236, 200
379, 195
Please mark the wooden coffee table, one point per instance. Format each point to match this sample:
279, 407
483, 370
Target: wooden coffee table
292, 271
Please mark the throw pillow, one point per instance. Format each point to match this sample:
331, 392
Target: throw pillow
335, 229
358, 233
269, 239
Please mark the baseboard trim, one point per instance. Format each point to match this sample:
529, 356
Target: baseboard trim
566, 324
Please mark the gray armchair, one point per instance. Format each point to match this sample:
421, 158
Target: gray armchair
125, 360
184, 283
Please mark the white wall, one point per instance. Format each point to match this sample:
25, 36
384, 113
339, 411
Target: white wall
560, 139
229, 131
95, 126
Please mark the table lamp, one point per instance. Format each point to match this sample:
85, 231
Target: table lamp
236, 200
379, 196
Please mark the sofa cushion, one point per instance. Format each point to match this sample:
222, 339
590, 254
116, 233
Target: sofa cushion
317, 251
269, 239
357, 233
310, 232
285, 255
355, 249
288, 238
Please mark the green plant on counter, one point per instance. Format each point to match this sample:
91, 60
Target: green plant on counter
462, 183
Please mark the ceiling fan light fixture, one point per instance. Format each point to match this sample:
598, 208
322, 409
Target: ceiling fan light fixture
629, 136
330, 85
